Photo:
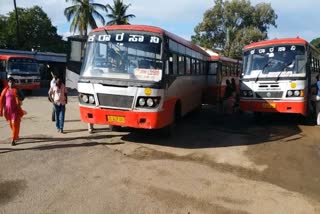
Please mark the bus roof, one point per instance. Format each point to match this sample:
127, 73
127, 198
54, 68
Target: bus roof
153, 29
7, 57
297, 40
224, 59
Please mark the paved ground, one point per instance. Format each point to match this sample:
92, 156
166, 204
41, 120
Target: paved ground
213, 164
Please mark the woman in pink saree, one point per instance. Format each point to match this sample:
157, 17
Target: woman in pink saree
10, 108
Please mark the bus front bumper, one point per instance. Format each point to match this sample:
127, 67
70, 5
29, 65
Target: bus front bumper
133, 119
293, 107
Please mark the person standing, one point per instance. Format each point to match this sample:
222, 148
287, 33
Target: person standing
228, 98
10, 108
58, 95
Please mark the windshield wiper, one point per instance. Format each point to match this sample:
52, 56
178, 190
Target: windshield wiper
262, 70
282, 70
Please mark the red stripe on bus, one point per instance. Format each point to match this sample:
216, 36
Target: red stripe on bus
28, 86
299, 107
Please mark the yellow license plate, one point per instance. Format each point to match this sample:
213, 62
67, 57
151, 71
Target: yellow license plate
117, 119
268, 105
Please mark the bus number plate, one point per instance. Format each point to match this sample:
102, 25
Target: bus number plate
269, 105
117, 119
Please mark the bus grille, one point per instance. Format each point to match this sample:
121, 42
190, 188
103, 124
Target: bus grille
111, 100
269, 94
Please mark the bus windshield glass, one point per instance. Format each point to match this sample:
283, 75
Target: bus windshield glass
289, 60
22, 65
123, 55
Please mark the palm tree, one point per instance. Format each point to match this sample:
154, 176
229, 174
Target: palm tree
118, 13
84, 13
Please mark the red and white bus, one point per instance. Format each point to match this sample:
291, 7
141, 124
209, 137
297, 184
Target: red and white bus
140, 76
24, 69
278, 75
221, 69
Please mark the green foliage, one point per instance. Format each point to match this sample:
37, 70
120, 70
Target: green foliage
83, 14
118, 13
36, 31
316, 43
229, 25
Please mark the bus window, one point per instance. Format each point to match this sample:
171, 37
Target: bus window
181, 65
194, 68
188, 65
213, 68
175, 64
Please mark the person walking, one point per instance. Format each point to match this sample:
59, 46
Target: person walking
52, 83
58, 95
10, 108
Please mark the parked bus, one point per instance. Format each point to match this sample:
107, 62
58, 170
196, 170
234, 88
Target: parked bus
278, 75
221, 69
24, 69
140, 76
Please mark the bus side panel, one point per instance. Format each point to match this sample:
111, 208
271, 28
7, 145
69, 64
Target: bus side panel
134, 119
294, 107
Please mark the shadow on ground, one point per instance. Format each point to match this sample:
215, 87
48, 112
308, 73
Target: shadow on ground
208, 129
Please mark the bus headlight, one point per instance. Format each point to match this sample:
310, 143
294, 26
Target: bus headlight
295, 93
142, 101
246, 93
91, 99
84, 98
150, 102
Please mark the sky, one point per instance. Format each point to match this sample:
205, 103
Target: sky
295, 18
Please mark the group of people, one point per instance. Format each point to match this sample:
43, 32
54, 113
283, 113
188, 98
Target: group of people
11, 104
230, 98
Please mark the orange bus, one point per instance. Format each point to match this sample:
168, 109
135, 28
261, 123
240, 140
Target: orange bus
140, 76
221, 69
278, 76
24, 69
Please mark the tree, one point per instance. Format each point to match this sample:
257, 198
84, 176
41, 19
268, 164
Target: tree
316, 43
17, 20
36, 31
118, 13
83, 14
3, 34
229, 25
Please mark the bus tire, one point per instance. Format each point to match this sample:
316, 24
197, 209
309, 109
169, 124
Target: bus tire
114, 128
170, 129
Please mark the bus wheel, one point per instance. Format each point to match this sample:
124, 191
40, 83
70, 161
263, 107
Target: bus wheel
114, 128
169, 130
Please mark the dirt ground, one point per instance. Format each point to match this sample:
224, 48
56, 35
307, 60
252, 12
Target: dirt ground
213, 164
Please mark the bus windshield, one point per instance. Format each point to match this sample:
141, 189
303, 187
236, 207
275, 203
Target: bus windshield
22, 65
278, 60
123, 55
